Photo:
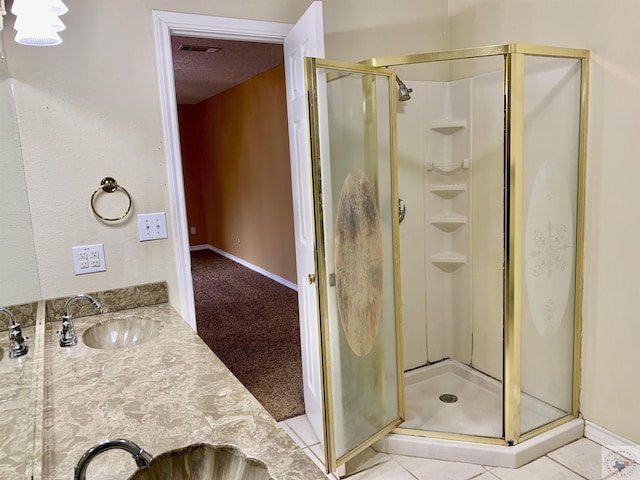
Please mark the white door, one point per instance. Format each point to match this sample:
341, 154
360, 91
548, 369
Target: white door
306, 39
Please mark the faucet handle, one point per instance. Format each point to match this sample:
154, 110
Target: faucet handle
67, 335
17, 343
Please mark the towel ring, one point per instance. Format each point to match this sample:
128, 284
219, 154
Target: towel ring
110, 185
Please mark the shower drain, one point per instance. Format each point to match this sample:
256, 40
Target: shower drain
448, 398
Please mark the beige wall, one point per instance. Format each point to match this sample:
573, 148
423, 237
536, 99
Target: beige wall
89, 108
610, 355
360, 29
241, 146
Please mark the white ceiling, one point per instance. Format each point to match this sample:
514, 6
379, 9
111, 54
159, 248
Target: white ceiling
201, 75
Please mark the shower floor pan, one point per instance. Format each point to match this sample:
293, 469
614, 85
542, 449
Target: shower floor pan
477, 411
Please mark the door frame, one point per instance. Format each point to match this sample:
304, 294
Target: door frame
166, 24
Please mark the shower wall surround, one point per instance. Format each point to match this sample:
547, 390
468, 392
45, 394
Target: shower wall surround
447, 217
451, 176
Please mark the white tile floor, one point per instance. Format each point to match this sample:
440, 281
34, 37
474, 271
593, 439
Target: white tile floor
582, 459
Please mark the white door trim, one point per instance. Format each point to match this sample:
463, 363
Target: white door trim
164, 25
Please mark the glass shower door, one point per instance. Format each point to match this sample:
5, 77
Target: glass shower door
551, 203
352, 109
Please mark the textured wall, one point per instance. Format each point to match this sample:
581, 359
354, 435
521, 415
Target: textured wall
242, 146
89, 108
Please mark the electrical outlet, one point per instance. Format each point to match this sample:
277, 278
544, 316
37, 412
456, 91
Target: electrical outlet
152, 226
88, 259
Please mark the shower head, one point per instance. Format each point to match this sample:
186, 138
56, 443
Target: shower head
404, 93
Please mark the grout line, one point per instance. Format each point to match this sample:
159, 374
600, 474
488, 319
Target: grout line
402, 467
314, 454
484, 473
565, 466
330, 475
293, 429
292, 433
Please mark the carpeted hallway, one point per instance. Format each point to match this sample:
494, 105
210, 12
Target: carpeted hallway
251, 323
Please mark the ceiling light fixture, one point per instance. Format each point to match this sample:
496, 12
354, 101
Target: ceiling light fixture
37, 22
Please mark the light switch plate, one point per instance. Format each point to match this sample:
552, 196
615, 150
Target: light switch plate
152, 226
88, 259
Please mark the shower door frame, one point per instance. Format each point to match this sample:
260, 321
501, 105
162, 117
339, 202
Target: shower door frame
332, 459
514, 62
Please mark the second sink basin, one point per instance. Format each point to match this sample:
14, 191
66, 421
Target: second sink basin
203, 461
120, 333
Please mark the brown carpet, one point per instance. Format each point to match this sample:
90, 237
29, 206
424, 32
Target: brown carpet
251, 323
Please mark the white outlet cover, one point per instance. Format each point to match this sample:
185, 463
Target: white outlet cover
152, 226
88, 259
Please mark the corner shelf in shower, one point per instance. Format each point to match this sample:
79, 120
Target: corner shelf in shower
448, 222
448, 190
448, 167
448, 261
448, 125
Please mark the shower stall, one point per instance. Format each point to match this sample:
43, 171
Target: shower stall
449, 213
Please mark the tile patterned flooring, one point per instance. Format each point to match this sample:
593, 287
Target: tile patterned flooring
580, 460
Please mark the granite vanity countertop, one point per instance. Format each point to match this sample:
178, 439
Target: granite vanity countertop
166, 393
16, 409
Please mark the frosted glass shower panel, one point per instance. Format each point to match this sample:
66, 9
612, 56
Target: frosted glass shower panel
357, 202
549, 222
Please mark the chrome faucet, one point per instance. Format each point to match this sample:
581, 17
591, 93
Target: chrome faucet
17, 343
141, 457
68, 337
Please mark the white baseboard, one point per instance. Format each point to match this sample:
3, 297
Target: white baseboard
251, 266
612, 441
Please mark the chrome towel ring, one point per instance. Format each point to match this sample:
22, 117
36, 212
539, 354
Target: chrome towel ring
110, 185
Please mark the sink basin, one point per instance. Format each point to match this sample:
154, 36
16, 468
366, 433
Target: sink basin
120, 333
203, 461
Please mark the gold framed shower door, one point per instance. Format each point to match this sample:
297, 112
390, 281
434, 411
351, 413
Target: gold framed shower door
513, 56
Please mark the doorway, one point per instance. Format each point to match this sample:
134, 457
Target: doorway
167, 24
304, 39
231, 108
239, 208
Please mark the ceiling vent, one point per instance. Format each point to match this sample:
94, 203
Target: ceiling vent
197, 48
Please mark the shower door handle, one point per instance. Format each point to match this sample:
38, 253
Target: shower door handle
402, 210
